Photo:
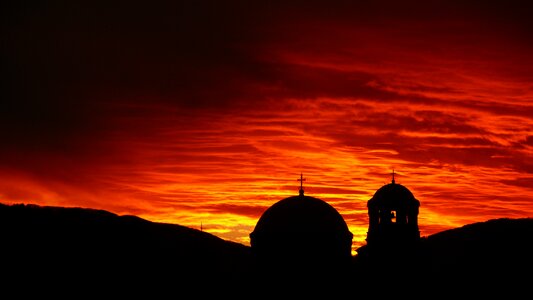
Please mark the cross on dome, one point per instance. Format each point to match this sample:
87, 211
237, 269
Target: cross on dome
301, 180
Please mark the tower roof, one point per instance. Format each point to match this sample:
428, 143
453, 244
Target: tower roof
393, 196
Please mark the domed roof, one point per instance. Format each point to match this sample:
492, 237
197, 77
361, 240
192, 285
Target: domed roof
393, 195
301, 214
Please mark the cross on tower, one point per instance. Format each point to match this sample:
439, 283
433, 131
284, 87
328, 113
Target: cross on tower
393, 181
301, 180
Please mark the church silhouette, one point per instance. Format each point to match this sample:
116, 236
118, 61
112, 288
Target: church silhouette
306, 235
299, 232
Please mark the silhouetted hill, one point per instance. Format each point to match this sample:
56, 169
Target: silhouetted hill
480, 258
96, 248
92, 250
485, 258
498, 250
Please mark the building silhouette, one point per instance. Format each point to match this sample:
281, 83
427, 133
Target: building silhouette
393, 236
301, 233
393, 216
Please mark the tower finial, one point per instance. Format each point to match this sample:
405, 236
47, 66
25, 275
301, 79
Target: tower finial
393, 181
301, 180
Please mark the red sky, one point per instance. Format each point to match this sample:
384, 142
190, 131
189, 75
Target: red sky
202, 112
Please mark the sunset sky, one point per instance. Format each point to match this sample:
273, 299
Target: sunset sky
204, 113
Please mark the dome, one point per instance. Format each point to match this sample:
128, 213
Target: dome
301, 225
393, 196
300, 214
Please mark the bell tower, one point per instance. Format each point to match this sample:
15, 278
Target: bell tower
393, 216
